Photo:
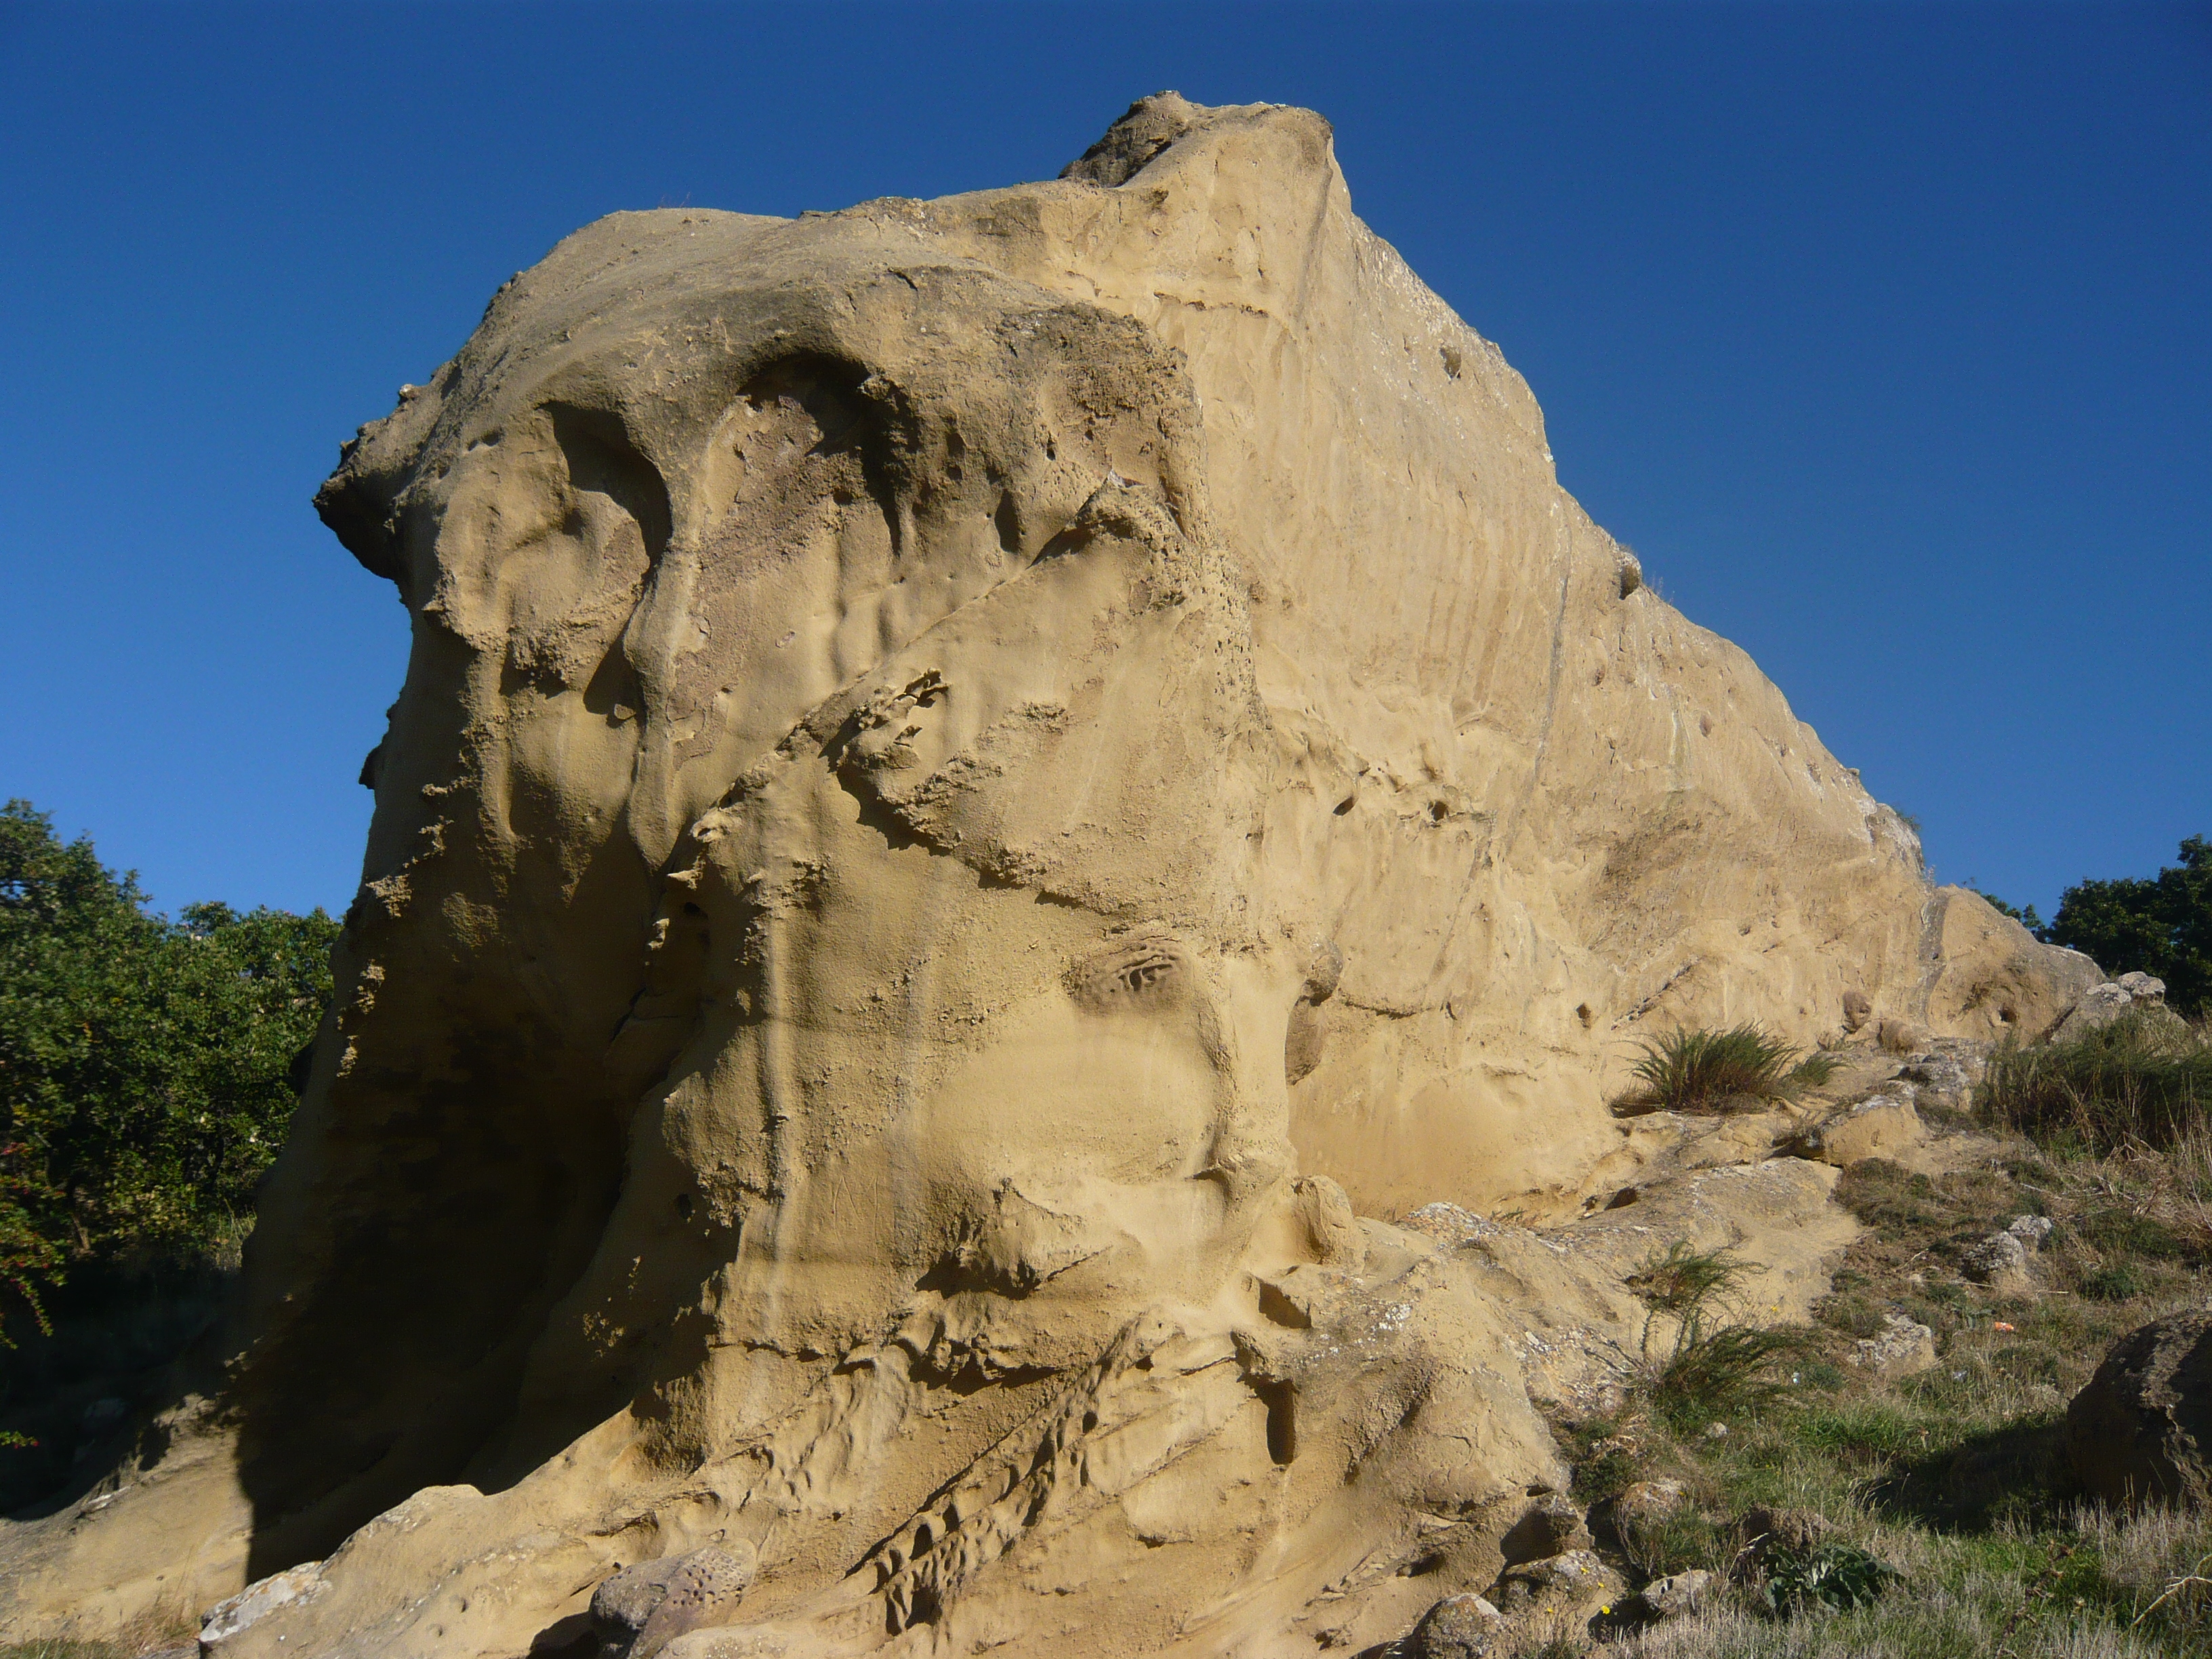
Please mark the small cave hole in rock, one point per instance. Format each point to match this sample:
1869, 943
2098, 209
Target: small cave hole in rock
1584, 1013
683, 1206
1282, 1403
1346, 804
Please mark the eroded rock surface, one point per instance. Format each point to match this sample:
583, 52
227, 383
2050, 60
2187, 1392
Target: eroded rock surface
2141, 1432
982, 785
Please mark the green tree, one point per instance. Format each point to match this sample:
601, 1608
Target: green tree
144, 1063
2161, 925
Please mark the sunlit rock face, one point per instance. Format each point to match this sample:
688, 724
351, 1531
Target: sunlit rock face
978, 781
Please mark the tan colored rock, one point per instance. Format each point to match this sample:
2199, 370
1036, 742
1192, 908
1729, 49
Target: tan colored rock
2000, 1262
1884, 1125
1460, 1627
1903, 1036
1644, 1504
642, 1609
1941, 1079
1765, 1531
2140, 1431
1991, 978
234, 1615
1680, 1594
974, 778
1570, 1585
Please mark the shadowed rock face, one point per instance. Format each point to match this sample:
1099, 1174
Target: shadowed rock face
973, 777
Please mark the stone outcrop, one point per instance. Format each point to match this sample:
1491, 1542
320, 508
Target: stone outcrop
985, 789
2102, 1003
1991, 979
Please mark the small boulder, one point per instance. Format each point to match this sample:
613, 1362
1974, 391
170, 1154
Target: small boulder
642, 1609
1678, 1594
1903, 1036
1999, 1261
2031, 1230
1904, 1348
1881, 1126
1458, 1627
1563, 1583
1764, 1532
237, 1614
1939, 1080
2100, 1005
1642, 1506
2142, 1429
1552, 1525
1858, 1009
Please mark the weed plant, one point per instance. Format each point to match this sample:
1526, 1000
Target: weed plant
1827, 1576
1693, 1070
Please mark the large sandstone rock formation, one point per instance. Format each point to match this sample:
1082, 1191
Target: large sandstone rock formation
978, 781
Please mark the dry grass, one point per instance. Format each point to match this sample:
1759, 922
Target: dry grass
2143, 1080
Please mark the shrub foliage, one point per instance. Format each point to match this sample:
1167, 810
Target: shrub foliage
144, 1063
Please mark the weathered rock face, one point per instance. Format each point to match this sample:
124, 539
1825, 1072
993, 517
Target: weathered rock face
974, 778
2101, 1005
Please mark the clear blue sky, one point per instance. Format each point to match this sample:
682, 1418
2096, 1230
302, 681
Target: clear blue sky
1883, 333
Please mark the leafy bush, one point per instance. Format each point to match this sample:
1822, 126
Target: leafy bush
144, 1063
2145, 1079
1694, 1070
2161, 925
1829, 1576
1720, 1373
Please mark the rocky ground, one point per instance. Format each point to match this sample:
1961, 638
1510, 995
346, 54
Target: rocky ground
1897, 1480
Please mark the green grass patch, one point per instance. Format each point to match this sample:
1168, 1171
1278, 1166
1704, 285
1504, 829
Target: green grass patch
1695, 1070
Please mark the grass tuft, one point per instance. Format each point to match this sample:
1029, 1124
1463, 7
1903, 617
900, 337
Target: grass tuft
1708, 1373
2143, 1080
1683, 1280
1712, 1375
1694, 1070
